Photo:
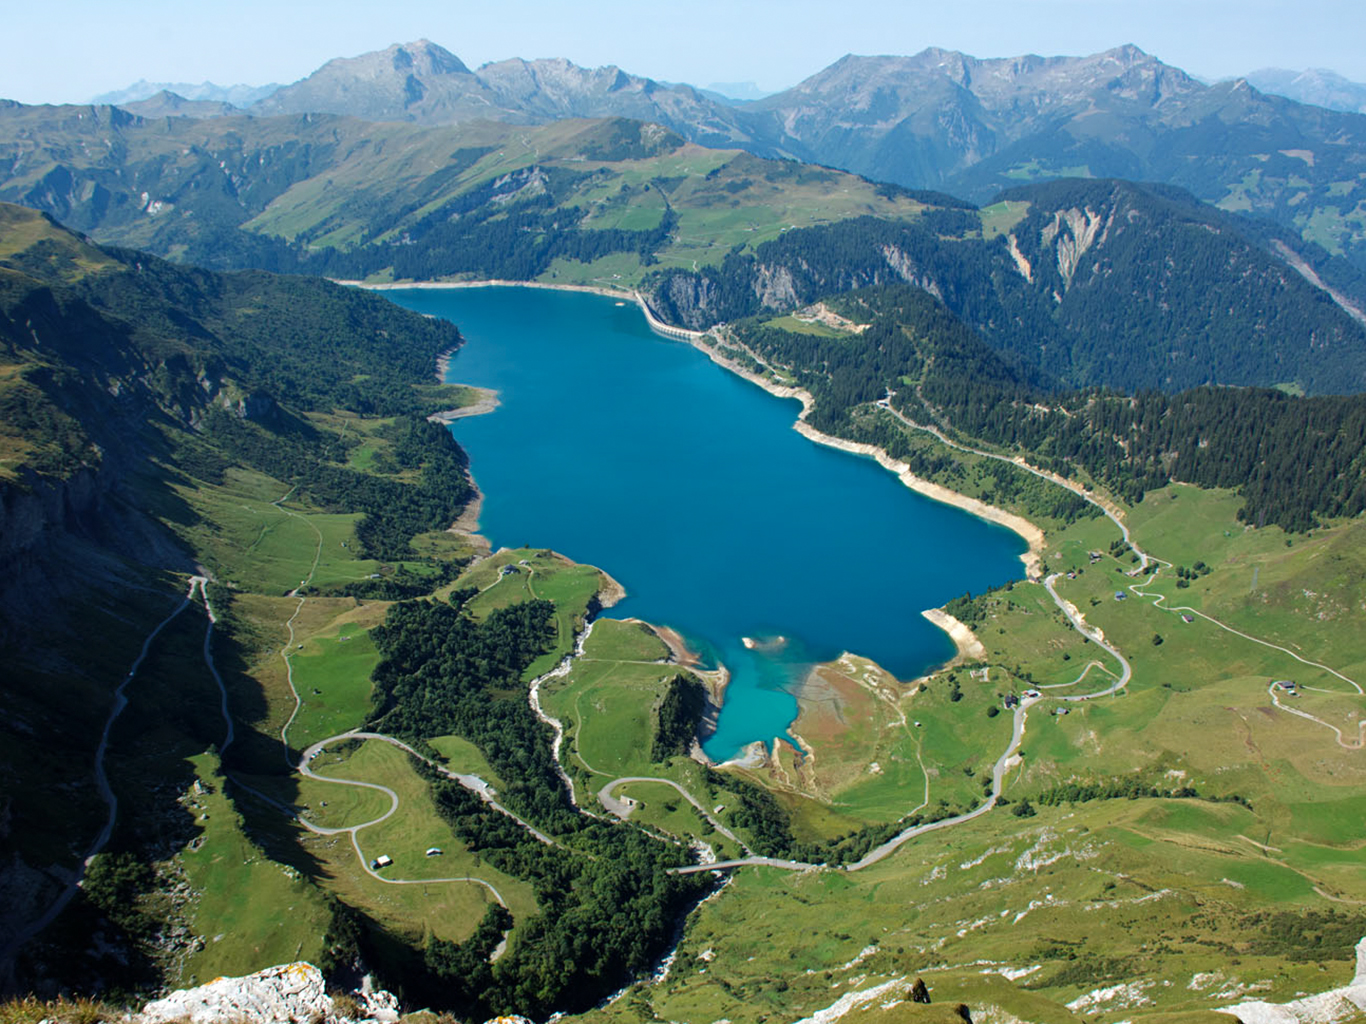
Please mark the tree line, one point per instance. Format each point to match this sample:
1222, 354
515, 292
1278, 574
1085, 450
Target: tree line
1295, 460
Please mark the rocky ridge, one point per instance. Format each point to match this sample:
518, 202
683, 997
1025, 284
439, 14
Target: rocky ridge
289, 992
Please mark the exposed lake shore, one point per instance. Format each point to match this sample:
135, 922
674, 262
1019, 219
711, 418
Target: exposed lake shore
717, 679
1032, 534
485, 403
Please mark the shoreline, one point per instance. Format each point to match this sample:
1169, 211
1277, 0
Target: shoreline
1032, 535
467, 524
714, 679
620, 293
969, 647
1017, 524
610, 592
496, 282
717, 680
487, 401
443, 363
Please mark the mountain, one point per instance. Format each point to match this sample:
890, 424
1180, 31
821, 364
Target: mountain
170, 104
1085, 282
235, 95
555, 89
936, 120
1108, 283
424, 83
930, 116
946, 120
323, 194
1319, 86
145, 406
419, 81
736, 92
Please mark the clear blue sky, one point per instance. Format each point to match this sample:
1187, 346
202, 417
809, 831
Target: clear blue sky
70, 50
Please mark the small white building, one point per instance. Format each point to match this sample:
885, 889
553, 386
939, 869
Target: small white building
382, 861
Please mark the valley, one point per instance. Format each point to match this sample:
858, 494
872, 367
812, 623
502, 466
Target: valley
798, 597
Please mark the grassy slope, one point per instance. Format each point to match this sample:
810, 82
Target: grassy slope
722, 198
1161, 895
448, 910
357, 175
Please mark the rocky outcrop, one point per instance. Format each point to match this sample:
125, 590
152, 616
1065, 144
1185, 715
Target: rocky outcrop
292, 992
289, 993
775, 288
1083, 229
907, 269
259, 408
690, 300
1339, 1004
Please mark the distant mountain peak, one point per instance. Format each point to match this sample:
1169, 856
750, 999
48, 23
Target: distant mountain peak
237, 95
423, 56
1319, 86
1129, 54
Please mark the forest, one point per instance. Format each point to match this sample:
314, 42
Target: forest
396, 510
677, 718
608, 909
609, 906
1172, 294
1295, 460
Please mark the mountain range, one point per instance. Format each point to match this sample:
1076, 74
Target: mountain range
236, 95
939, 120
1058, 274
223, 488
1318, 86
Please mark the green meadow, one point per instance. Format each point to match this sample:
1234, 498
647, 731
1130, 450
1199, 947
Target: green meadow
411, 899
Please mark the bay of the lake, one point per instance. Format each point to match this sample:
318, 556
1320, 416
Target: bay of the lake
637, 454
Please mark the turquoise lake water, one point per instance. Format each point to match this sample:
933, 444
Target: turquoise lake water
637, 454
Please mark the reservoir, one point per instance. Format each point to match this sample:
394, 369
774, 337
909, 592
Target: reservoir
637, 454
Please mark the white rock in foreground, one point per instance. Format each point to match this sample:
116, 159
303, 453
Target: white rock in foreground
292, 992
1339, 1004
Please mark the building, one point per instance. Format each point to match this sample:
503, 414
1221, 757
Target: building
435, 851
382, 861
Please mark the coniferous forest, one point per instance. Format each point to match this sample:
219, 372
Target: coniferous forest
1294, 459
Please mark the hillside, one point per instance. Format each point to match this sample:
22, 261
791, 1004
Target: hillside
1186, 825
1295, 461
1084, 282
337, 196
936, 120
156, 420
1318, 86
222, 493
1090, 283
942, 119
424, 83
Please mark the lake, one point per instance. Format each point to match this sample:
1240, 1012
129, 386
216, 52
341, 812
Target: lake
637, 454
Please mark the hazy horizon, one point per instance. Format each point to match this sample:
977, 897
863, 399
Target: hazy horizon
773, 44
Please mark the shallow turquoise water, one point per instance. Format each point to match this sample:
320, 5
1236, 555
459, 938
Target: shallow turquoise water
637, 454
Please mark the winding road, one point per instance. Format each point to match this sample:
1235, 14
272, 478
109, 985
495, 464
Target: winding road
111, 801
1078, 622
623, 808
304, 768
